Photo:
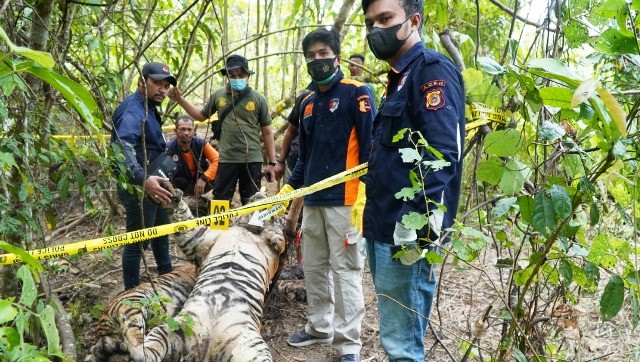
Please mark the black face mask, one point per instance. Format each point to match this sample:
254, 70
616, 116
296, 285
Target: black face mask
384, 42
322, 71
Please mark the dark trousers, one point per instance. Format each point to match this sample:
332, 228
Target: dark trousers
154, 215
229, 174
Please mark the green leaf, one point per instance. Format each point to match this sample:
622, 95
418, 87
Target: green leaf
614, 42
518, 355
398, 136
513, 177
433, 257
44, 59
602, 253
556, 97
612, 298
635, 309
9, 335
490, 171
592, 273
480, 89
565, 271
172, 324
491, 66
615, 110
527, 208
609, 9
576, 33
7, 311
47, 320
7, 159
410, 155
544, 217
73, 92
502, 207
556, 70
26, 257
504, 143
29, 291
521, 276
415, 220
407, 193
561, 201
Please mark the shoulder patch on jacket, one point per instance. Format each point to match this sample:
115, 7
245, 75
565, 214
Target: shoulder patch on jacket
351, 81
364, 104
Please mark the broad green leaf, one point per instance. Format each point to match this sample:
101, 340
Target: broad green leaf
594, 214
565, 271
398, 136
7, 311
593, 273
602, 252
415, 220
612, 298
556, 97
556, 70
29, 291
9, 335
502, 207
491, 66
407, 193
47, 320
572, 165
544, 217
480, 89
584, 91
433, 257
615, 110
513, 177
73, 92
44, 59
490, 171
614, 42
561, 201
518, 355
26, 257
7, 159
503, 143
527, 208
410, 155
609, 9
521, 276
576, 33
635, 309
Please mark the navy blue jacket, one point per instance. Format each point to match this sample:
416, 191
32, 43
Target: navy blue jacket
335, 135
127, 132
425, 92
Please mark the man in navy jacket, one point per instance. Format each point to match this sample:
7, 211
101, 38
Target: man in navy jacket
136, 113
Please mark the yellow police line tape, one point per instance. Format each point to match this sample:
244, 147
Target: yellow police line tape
482, 113
170, 127
144, 234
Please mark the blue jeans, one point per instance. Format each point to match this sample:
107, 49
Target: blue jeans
154, 215
405, 294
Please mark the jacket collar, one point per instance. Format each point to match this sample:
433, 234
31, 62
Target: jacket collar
402, 63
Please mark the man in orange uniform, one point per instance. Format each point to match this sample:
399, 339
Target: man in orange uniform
197, 160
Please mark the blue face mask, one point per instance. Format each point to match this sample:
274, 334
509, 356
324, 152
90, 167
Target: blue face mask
238, 84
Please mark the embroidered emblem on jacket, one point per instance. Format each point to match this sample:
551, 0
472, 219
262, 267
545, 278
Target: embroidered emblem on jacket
308, 110
333, 104
435, 99
222, 102
251, 106
364, 105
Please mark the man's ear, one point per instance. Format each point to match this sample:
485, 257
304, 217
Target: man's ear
416, 21
140, 82
339, 58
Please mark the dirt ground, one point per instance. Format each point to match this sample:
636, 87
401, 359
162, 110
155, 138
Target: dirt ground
465, 293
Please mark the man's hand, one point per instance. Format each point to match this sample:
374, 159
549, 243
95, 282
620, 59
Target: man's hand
278, 170
270, 175
199, 188
174, 94
153, 188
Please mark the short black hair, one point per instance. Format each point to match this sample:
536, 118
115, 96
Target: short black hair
185, 117
329, 37
357, 55
409, 6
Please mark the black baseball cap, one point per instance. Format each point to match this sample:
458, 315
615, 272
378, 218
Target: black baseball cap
158, 71
235, 62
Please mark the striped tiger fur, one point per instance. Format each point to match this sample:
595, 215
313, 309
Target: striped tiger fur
123, 325
226, 302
